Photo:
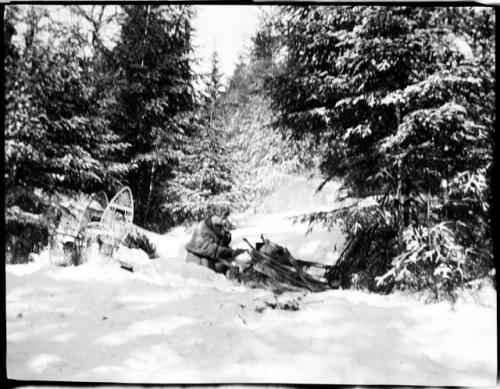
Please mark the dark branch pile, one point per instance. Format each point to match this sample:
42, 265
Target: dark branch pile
282, 269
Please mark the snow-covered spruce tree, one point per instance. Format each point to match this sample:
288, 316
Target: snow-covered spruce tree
261, 154
153, 98
204, 175
56, 141
401, 102
176, 159
214, 88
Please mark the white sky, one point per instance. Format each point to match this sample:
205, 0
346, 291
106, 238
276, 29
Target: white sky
226, 28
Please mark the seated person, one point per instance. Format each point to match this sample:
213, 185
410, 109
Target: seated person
210, 243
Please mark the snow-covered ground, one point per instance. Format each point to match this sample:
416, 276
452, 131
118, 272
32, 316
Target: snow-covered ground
172, 322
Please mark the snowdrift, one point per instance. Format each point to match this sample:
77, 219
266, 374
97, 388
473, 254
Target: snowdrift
172, 322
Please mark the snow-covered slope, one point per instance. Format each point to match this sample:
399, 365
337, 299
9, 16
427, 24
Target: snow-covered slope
172, 322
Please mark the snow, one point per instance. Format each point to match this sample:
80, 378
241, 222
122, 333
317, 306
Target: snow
172, 322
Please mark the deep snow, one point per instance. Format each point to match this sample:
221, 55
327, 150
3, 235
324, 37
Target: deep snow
172, 322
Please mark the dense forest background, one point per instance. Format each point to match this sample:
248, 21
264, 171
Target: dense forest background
397, 103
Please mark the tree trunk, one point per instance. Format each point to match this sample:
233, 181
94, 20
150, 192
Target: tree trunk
145, 34
151, 183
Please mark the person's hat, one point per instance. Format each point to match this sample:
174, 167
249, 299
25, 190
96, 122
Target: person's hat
216, 220
220, 210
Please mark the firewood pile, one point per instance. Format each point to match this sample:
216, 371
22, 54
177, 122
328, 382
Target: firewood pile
278, 266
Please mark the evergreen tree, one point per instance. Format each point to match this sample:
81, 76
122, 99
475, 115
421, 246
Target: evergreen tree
261, 155
400, 100
55, 140
154, 99
204, 175
214, 87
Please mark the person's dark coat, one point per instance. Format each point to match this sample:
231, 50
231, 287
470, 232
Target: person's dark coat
208, 244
